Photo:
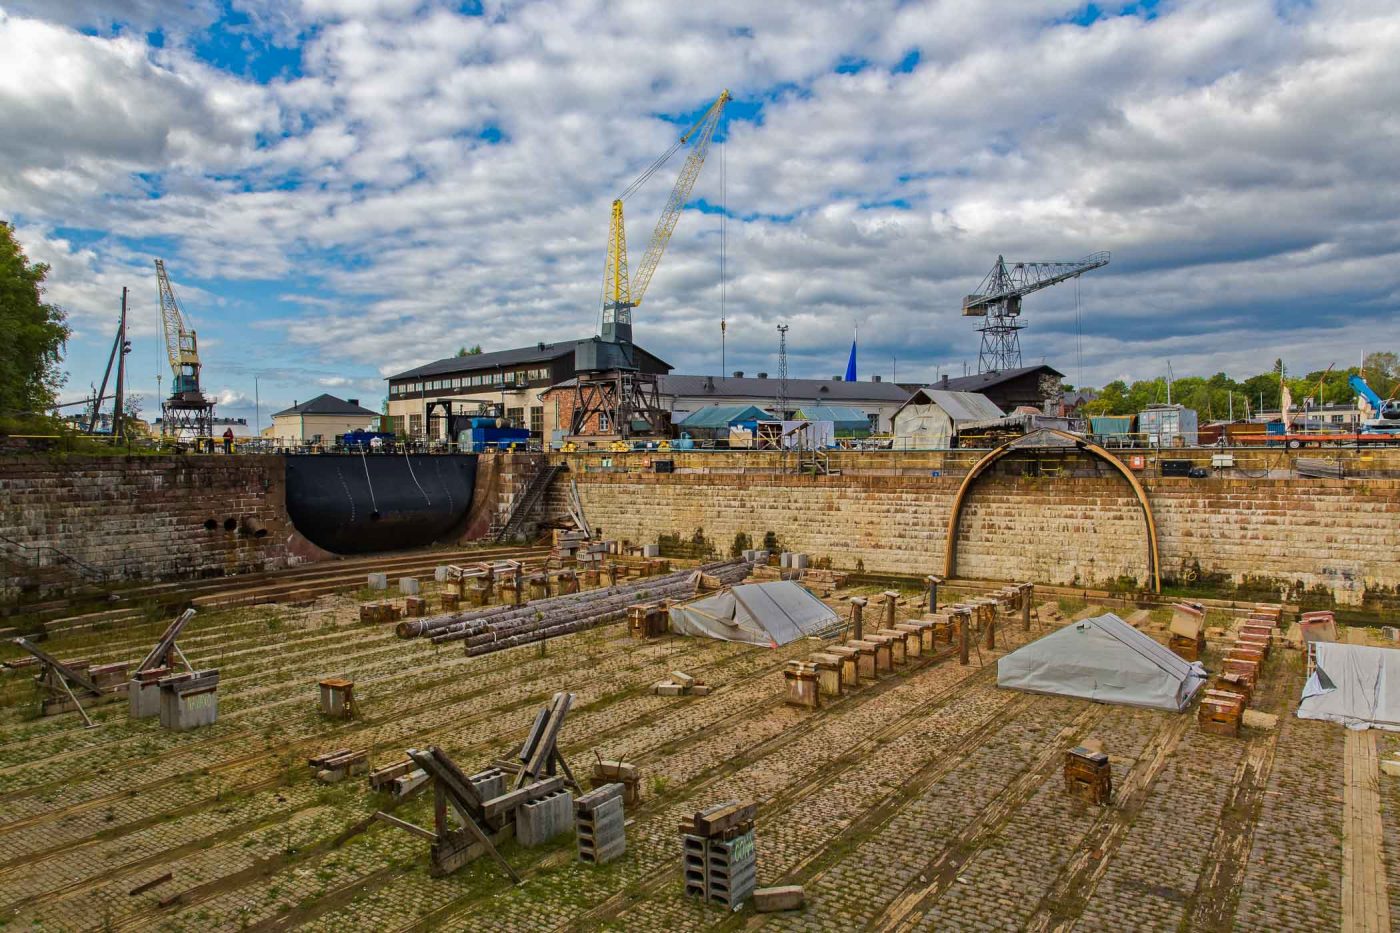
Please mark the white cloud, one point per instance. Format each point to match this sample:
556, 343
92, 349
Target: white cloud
1239, 161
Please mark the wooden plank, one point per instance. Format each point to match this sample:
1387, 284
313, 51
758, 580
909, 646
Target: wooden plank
508, 801
68, 673
406, 826
716, 820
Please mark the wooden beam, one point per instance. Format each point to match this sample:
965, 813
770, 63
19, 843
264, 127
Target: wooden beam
67, 672
406, 826
512, 799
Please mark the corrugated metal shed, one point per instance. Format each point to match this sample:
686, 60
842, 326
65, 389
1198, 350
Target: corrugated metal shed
960, 406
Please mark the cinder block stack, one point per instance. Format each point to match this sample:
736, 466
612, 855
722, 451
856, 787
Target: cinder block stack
599, 824
720, 861
541, 820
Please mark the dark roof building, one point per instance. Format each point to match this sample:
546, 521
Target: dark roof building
555, 358
327, 405
1010, 388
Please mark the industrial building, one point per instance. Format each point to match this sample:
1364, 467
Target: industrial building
319, 421
512, 379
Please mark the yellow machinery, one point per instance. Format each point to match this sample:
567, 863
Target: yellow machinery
621, 291
187, 412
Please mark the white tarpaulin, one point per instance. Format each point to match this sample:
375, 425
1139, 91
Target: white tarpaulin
768, 614
1356, 685
1104, 659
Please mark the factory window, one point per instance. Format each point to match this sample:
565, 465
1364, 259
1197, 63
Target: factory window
537, 420
516, 417
418, 387
415, 425
458, 382
602, 423
1338, 419
392, 423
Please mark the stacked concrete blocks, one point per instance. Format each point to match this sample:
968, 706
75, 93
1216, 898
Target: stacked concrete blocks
599, 825
720, 862
539, 821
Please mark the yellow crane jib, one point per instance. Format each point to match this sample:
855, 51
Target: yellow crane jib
180, 343
623, 292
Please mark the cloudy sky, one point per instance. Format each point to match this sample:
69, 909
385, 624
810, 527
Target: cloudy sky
345, 188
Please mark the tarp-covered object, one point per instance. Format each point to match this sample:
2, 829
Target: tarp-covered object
1356, 685
768, 614
1104, 659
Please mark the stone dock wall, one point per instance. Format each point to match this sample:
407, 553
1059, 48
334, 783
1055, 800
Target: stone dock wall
1062, 520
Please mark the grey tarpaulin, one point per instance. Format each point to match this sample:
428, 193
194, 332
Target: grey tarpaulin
1104, 659
768, 614
1356, 685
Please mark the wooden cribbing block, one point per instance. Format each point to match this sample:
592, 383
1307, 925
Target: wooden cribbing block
1220, 714
899, 651
715, 821
865, 659
380, 779
850, 665
913, 642
884, 652
828, 673
1088, 775
802, 685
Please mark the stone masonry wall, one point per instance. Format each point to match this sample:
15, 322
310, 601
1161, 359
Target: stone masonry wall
144, 517
1081, 526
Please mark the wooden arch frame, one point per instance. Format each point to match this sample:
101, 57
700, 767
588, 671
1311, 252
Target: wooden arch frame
1049, 439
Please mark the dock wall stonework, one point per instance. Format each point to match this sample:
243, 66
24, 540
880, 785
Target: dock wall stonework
1063, 522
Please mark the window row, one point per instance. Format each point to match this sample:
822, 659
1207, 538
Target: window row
469, 382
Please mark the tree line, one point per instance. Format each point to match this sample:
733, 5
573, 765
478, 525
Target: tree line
1217, 397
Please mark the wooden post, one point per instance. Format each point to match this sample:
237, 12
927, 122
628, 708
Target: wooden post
1027, 591
891, 596
933, 592
963, 619
992, 634
857, 620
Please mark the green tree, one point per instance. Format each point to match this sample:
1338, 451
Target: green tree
35, 333
469, 351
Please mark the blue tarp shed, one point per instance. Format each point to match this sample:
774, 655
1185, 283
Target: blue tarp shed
720, 417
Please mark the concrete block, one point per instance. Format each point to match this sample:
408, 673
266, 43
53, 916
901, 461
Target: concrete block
408, 586
379, 581
669, 690
1390, 766
1257, 719
700, 690
541, 820
786, 897
682, 678
441, 573
188, 701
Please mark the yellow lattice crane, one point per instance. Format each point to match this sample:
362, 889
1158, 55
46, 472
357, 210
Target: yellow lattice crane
623, 292
187, 411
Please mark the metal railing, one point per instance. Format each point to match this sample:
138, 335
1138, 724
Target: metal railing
33, 555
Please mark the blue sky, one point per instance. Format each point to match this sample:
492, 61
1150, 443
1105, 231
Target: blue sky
342, 189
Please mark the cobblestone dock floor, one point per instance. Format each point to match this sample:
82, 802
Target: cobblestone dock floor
931, 800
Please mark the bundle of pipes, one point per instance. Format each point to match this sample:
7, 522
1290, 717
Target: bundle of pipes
508, 626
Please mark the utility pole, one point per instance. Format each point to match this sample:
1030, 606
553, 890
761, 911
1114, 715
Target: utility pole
123, 348
723, 327
782, 372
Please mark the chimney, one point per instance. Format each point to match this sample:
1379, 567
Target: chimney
709, 383
944, 382
874, 378
353, 401
763, 375
738, 374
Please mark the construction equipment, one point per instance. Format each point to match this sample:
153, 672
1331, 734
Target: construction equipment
1385, 413
120, 348
187, 413
612, 396
998, 299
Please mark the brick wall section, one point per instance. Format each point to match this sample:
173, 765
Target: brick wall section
144, 517
891, 513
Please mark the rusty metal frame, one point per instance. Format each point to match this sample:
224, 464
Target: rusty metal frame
1067, 440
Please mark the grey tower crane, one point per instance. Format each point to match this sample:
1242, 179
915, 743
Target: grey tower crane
998, 300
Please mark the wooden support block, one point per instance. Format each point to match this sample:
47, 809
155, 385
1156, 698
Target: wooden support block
802, 685
1088, 775
828, 673
499, 806
714, 821
898, 646
850, 665
865, 659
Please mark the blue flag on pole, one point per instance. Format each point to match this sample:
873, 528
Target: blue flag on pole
851, 364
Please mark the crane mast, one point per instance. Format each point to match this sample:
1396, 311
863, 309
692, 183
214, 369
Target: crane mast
187, 412
622, 291
998, 299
